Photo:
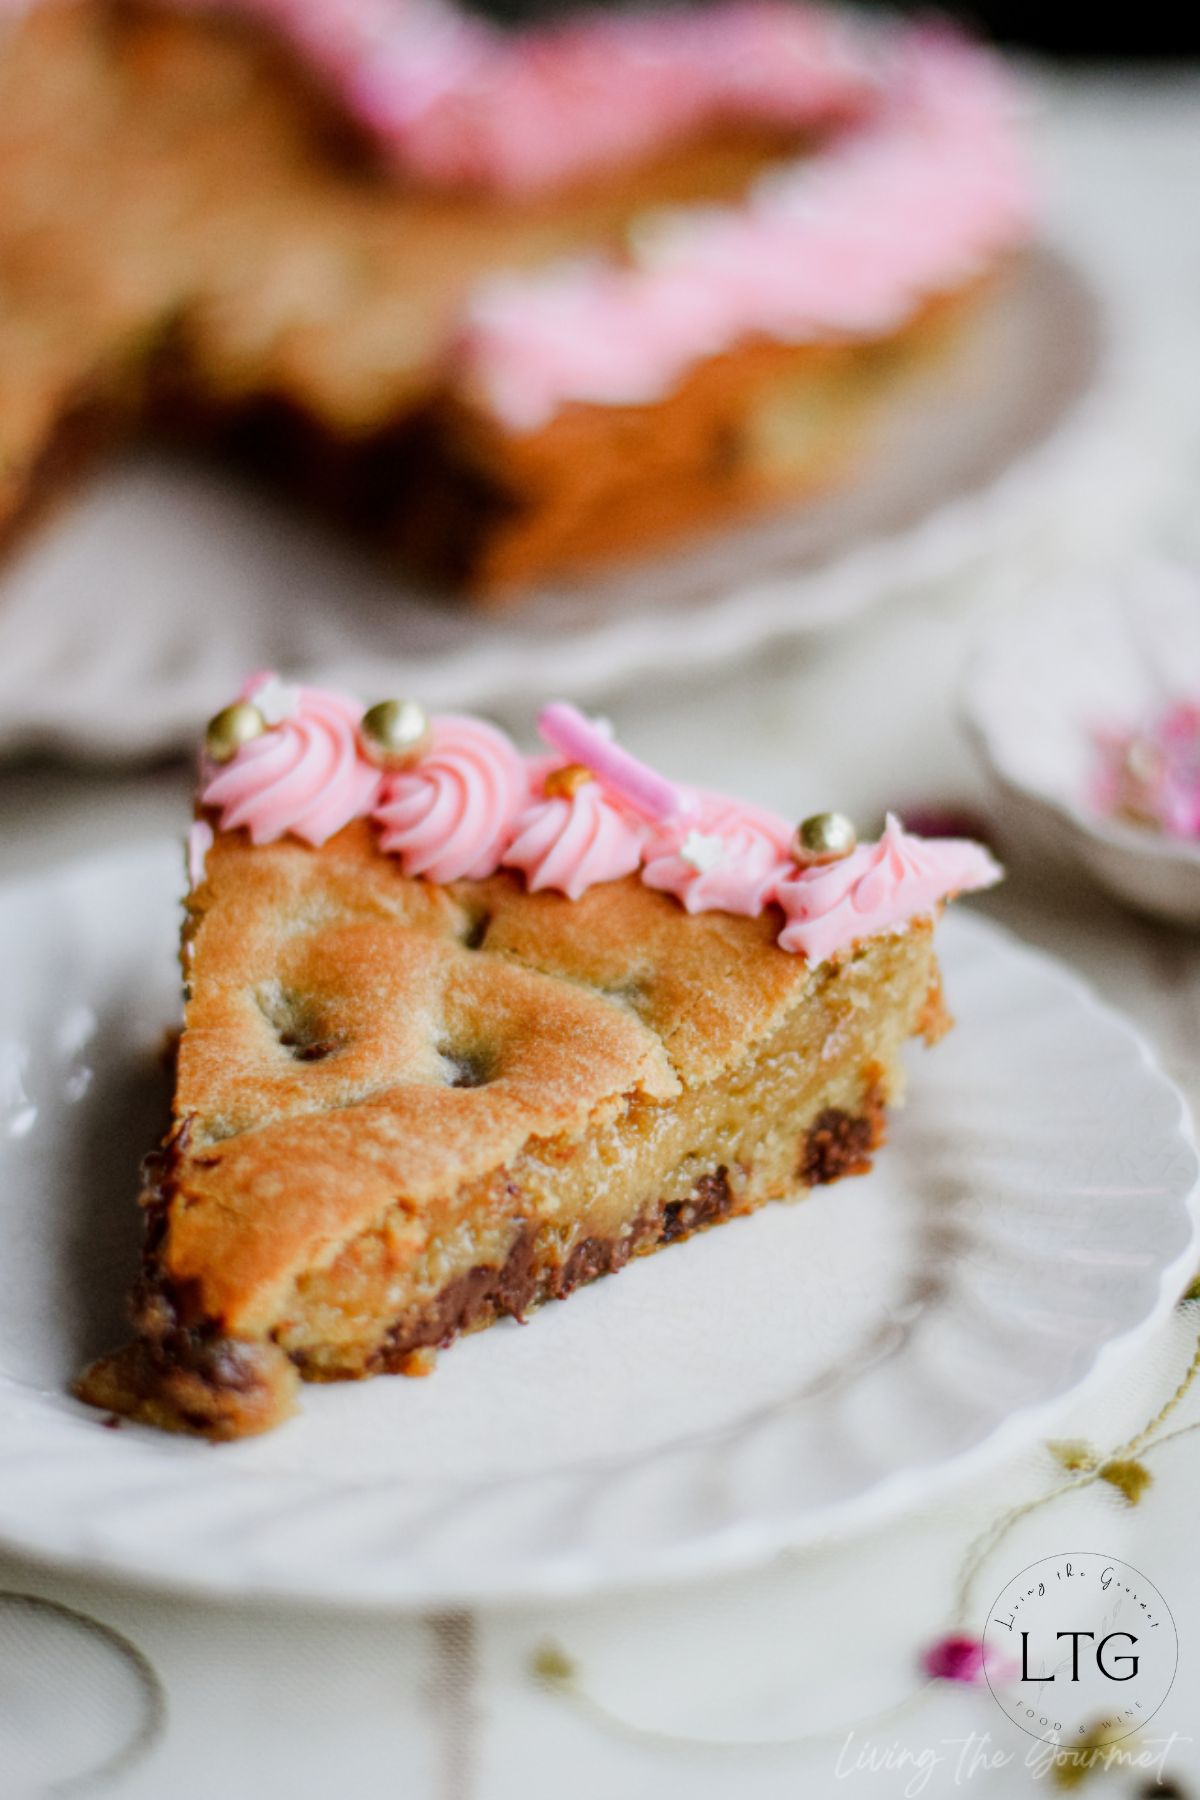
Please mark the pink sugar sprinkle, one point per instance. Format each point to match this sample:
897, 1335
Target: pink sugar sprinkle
566, 730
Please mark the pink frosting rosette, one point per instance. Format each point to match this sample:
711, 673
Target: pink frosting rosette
571, 843
724, 856
305, 775
593, 831
450, 817
877, 887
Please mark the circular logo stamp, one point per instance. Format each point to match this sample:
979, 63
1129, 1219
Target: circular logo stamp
1080, 1643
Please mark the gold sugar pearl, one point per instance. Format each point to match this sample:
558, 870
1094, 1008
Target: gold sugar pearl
565, 783
823, 838
232, 727
395, 734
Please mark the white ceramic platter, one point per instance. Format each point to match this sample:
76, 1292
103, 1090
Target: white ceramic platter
124, 624
811, 1368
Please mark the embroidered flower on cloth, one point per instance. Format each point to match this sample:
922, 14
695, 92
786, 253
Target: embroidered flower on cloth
954, 1657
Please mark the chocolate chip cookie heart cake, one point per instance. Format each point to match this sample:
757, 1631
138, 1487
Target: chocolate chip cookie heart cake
466, 1028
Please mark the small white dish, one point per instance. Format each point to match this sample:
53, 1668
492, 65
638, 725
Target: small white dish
1068, 662
807, 1370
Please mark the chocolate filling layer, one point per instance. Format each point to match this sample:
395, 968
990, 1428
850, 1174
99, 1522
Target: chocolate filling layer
836, 1144
181, 1371
524, 1280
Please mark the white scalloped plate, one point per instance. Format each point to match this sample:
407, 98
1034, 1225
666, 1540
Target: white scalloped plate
808, 1369
154, 591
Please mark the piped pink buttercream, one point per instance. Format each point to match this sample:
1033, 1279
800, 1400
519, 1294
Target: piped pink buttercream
305, 776
724, 856
473, 804
920, 186
450, 818
199, 843
572, 844
917, 200
457, 102
876, 888
1150, 776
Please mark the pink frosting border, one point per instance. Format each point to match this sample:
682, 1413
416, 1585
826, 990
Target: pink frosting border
920, 186
457, 102
917, 200
473, 804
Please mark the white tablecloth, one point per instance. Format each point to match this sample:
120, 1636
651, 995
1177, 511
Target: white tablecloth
801, 1679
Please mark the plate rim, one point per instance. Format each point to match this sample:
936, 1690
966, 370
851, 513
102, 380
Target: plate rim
706, 1552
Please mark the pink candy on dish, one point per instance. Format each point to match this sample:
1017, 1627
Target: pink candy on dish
450, 817
724, 856
305, 774
572, 843
1151, 777
877, 888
